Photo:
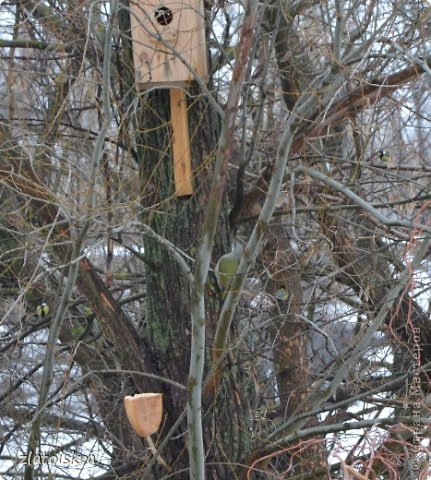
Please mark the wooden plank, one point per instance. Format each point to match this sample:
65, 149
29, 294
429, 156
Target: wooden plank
181, 143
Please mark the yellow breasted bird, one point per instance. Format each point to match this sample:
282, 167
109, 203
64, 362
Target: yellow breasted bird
42, 310
281, 294
384, 155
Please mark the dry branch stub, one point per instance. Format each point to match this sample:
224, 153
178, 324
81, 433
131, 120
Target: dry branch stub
144, 411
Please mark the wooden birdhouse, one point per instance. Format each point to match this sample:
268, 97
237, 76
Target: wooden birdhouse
168, 38
144, 412
168, 50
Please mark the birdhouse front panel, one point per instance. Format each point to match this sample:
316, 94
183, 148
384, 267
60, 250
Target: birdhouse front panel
168, 36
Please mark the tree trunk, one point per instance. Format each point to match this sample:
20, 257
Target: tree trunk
179, 220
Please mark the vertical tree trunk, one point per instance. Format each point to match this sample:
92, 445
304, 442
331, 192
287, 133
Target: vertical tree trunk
166, 325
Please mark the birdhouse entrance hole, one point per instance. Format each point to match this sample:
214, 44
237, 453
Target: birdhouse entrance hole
164, 15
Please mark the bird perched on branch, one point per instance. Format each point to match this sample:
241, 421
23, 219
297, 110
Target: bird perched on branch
384, 155
227, 267
281, 294
42, 310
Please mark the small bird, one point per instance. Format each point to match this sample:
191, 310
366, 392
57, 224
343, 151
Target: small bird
384, 155
42, 310
281, 294
227, 267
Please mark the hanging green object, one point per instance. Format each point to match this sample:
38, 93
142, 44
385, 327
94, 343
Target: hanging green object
227, 267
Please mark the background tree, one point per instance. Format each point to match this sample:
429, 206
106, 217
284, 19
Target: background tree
317, 361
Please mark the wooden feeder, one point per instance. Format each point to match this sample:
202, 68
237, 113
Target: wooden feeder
144, 412
168, 41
